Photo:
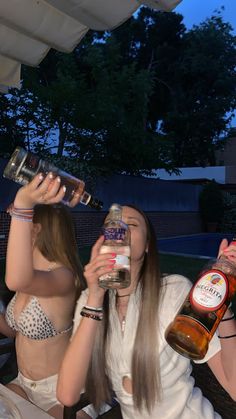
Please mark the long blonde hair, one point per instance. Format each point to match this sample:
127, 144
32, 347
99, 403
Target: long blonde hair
145, 370
56, 239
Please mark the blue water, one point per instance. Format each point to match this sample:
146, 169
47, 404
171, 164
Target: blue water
205, 244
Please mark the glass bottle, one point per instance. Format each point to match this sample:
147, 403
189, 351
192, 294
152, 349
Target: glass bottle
198, 318
23, 166
117, 240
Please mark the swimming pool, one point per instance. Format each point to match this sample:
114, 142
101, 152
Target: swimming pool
204, 245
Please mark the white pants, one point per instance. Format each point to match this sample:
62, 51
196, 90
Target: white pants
41, 392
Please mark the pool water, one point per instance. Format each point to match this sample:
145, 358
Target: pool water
204, 245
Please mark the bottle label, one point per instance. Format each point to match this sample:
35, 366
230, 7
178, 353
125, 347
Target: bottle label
122, 261
29, 168
114, 233
207, 319
210, 291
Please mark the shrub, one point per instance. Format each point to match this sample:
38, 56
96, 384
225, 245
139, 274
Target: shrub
211, 203
228, 224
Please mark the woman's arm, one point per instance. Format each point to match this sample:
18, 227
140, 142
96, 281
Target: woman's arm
19, 261
223, 364
74, 368
58, 282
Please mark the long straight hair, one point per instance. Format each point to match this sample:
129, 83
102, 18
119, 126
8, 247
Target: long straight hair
146, 385
56, 239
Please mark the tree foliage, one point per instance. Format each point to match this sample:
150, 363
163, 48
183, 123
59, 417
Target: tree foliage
148, 95
211, 203
207, 97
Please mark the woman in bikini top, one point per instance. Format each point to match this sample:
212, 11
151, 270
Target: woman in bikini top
44, 270
33, 322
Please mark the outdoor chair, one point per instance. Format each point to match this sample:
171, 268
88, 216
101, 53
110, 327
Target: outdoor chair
70, 412
8, 363
212, 390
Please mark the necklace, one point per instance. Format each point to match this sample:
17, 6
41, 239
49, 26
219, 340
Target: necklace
122, 314
122, 308
123, 322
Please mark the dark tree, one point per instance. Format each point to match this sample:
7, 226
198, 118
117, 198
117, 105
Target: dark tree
148, 95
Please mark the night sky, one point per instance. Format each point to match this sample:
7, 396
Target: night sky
196, 11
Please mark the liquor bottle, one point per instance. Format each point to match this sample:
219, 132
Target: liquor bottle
116, 240
23, 166
198, 318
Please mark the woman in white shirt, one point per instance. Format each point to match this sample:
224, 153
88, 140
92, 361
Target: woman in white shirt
126, 352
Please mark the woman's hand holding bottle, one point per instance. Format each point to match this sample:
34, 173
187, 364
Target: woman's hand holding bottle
40, 191
98, 265
207, 304
228, 250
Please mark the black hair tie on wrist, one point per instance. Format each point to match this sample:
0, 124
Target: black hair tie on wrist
227, 337
228, 318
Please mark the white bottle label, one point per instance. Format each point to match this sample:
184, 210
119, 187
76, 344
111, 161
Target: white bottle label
122, 261
122, 255
210, 291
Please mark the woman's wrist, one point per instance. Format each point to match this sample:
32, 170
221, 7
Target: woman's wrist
23, 204
228, 317
227, 326
22, 214
95, 300
228, 313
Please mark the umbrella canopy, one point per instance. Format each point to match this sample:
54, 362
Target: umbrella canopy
29, 28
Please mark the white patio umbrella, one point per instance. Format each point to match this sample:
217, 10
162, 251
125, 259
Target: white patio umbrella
29, 28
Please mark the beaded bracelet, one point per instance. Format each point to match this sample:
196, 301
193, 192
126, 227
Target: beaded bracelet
94, 313
228, 318
90, 316
227, 337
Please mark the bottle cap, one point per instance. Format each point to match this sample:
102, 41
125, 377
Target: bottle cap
95, 203
115, 207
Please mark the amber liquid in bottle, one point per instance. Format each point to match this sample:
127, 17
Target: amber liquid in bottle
194, 326
23, 166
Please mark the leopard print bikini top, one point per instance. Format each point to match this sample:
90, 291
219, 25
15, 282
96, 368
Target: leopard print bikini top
32, 322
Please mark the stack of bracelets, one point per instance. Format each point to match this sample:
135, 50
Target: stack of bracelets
23, 214
95, 313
